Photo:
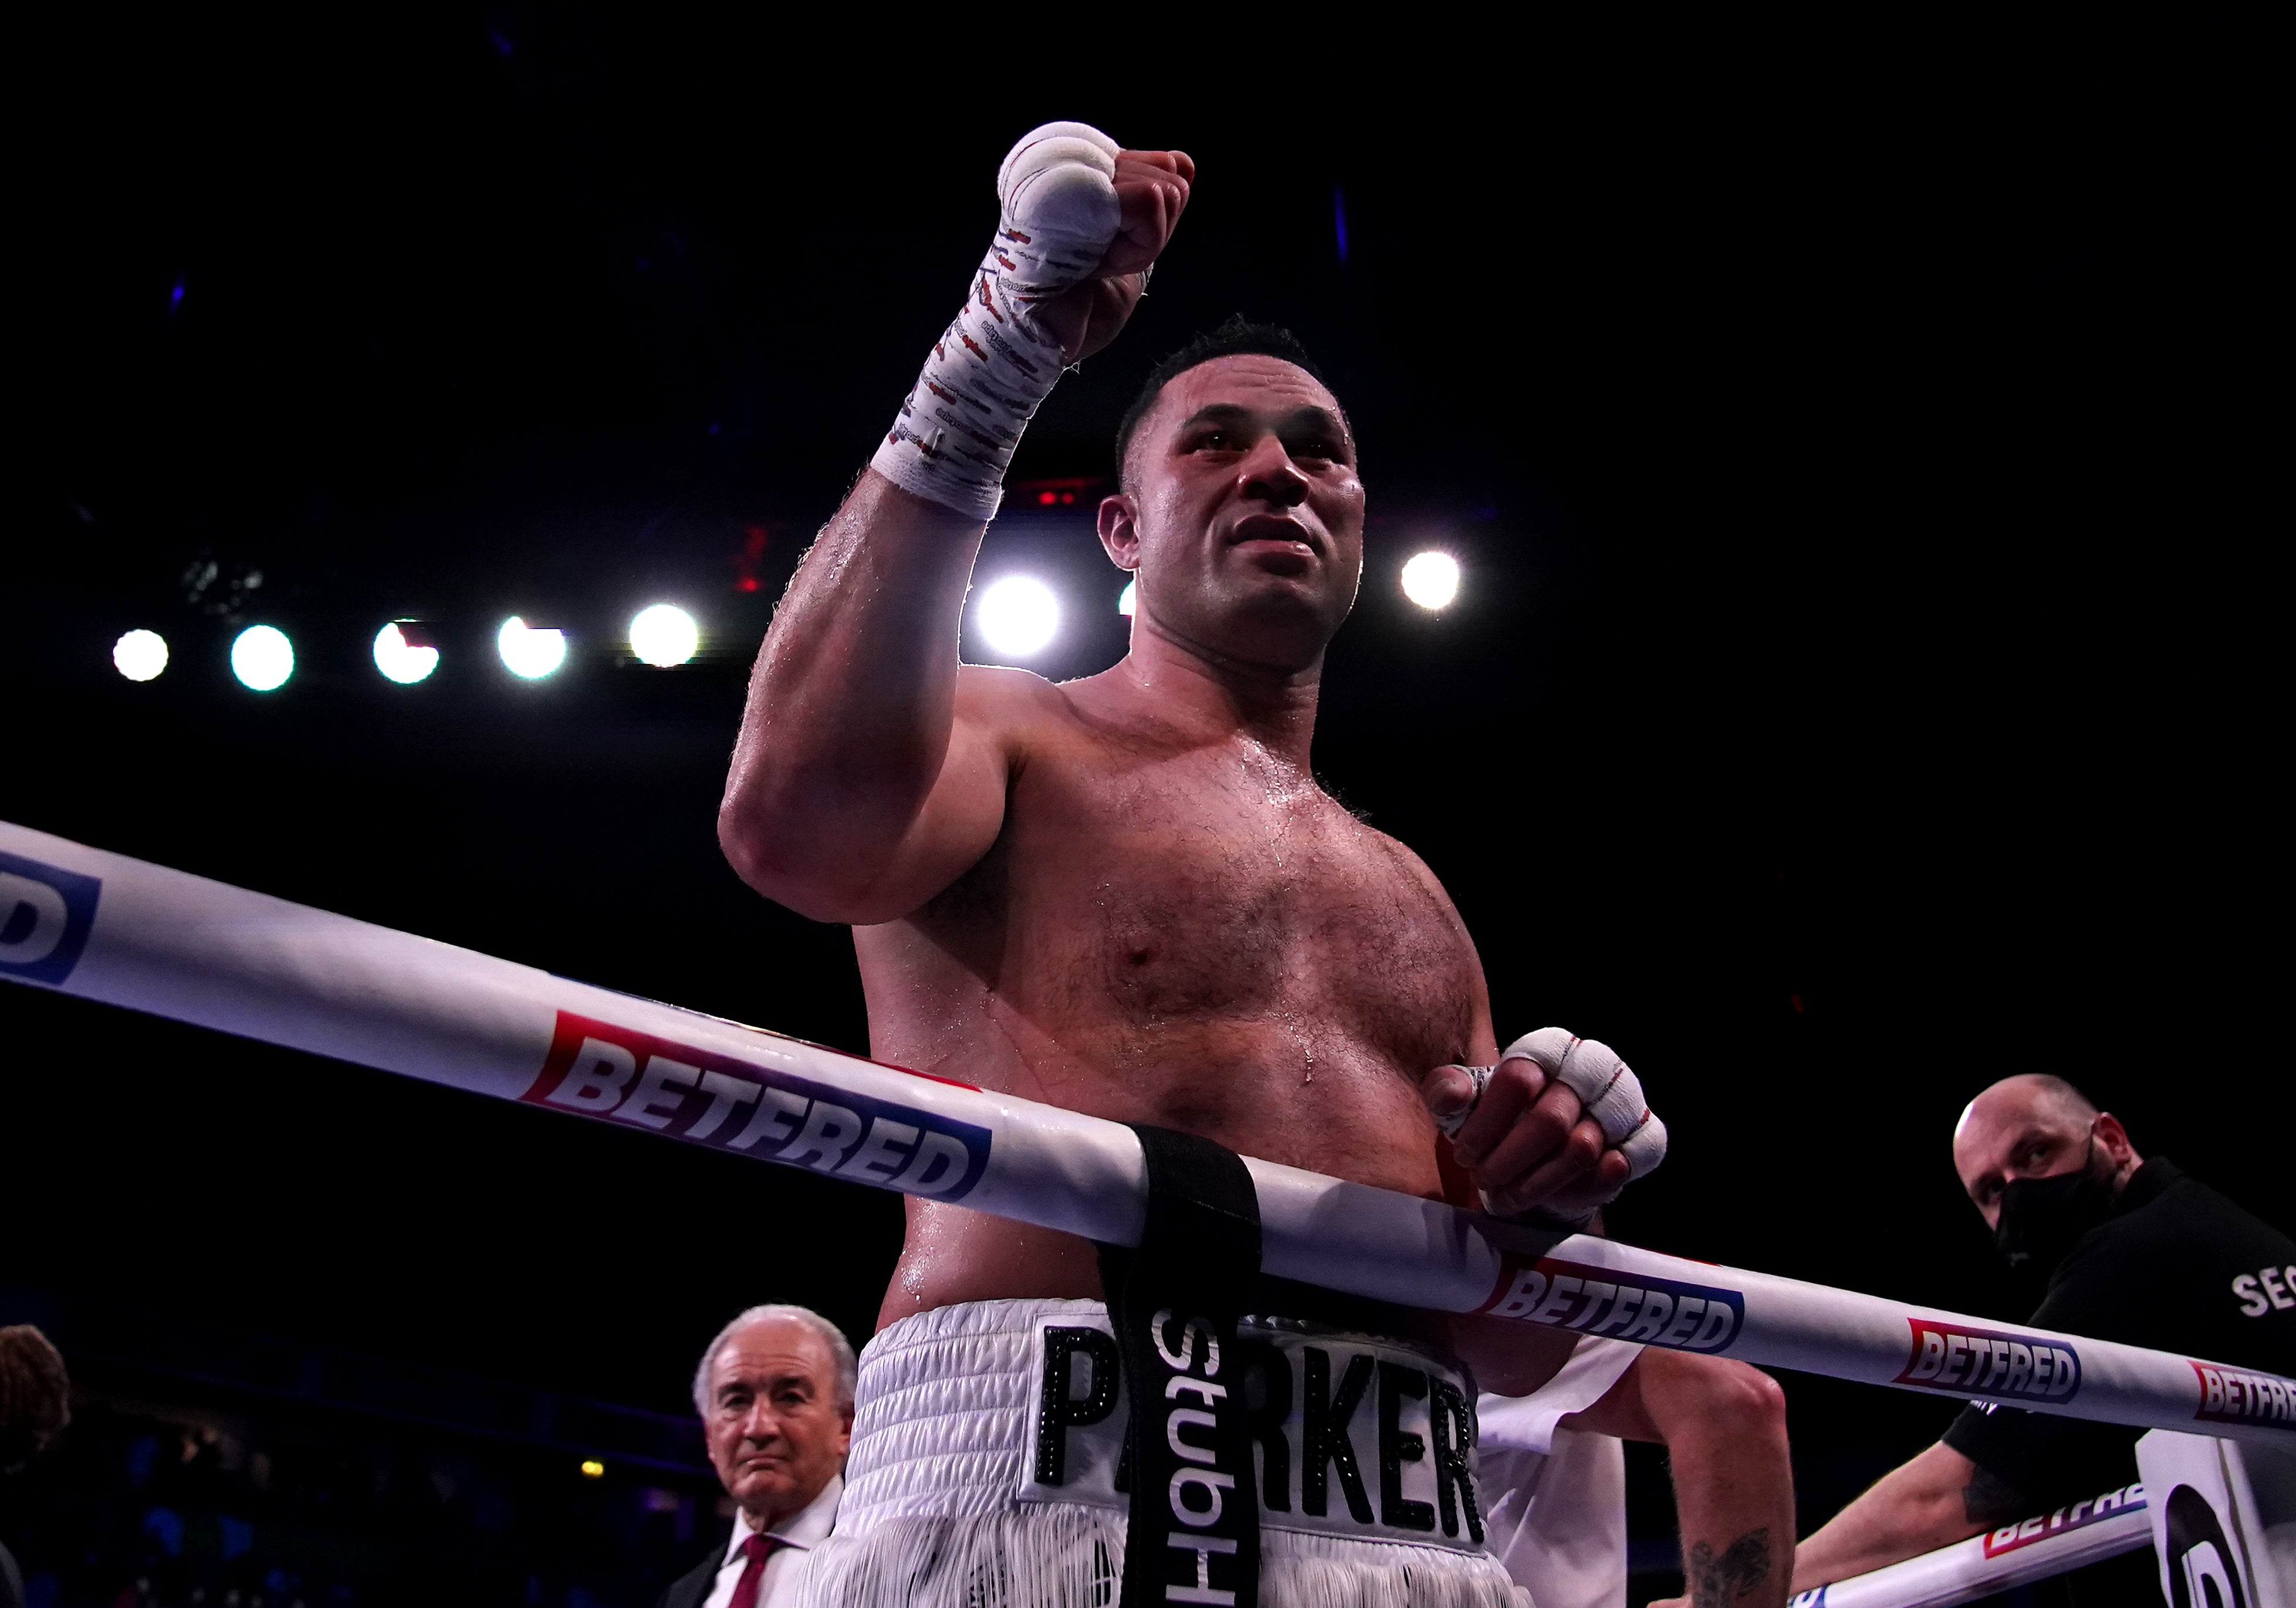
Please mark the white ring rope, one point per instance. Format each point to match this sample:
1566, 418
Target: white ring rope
2072, 1538
128, 934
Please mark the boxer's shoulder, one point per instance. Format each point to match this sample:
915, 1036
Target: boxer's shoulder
1073, 727
1021, 710
1091, 748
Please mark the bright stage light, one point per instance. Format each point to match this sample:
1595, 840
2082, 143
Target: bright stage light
1128, 599
1431, 579
262, 658
532, 652
402, 661
664, 635
1018, 616
140, 655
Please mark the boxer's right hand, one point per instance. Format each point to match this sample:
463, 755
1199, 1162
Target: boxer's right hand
1152, 190
1079, 222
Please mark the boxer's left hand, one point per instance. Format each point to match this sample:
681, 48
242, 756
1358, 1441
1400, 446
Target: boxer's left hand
1531, 1141
1152, 190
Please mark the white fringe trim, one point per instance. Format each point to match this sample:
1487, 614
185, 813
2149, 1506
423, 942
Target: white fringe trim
1063, 1556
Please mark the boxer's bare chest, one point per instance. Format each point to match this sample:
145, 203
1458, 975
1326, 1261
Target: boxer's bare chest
1196, 935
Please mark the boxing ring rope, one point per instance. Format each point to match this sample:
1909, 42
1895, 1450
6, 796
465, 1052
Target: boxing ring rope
104, 927
2103, 1527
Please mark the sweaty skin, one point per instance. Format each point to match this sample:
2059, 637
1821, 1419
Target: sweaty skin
1127, 895
1174, 926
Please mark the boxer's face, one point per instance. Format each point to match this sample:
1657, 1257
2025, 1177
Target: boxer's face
1242, 513
776, 1430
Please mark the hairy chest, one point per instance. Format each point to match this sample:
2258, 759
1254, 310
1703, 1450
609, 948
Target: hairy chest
1209, 888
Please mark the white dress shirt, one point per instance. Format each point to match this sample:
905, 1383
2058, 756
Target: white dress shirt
799, 1535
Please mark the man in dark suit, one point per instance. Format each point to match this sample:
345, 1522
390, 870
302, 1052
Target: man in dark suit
774, 1391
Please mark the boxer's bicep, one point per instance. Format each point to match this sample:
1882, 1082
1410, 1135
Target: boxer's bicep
959, 820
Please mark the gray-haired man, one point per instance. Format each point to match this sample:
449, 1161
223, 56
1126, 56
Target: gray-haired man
774, 1391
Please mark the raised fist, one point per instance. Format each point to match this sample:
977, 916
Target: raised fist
1152, 190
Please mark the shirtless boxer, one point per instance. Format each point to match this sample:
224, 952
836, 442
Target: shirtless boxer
1128, 896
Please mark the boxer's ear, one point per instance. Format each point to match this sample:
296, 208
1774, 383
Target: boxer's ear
1120, 529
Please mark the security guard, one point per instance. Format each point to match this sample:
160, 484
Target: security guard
2120, 1249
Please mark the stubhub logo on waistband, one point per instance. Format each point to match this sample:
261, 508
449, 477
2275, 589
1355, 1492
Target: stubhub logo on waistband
1624, 1306
46, 916
1988, 1363
707, 1098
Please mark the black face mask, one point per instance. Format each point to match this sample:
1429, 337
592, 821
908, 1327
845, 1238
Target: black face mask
2042, 1217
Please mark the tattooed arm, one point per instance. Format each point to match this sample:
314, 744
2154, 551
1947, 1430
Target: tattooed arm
1724, 1427
1935, 1500
1741, 1570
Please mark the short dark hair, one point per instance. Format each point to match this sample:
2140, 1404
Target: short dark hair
1239, 337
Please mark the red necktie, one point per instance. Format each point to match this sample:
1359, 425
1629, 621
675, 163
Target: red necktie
753, 1578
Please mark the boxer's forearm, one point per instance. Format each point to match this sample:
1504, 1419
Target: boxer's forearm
852, 703
857, 791
1934, 1500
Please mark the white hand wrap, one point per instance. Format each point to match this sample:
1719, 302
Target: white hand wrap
995, 363
1606, 1086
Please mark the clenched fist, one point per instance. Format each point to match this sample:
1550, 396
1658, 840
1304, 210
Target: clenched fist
1559, 1124
1152, 192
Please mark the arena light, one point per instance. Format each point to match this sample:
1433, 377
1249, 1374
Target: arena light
531, 651
399, 657
591, 1469
140, 655
262, 658
1128, 599
1431, 579
1018, 616
664, 635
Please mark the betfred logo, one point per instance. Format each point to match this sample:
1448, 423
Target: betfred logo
1990, 1364
707, 1098
2236, 1396
1598, 1300
2080, 1515
46, 916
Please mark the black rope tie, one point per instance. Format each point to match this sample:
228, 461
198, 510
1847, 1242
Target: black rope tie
1193, 1533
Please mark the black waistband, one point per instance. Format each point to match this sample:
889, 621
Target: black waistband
1193, 1531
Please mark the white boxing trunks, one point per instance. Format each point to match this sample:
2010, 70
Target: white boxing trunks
986, 1442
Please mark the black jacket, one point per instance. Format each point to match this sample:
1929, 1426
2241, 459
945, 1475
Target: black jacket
689, 1589
2176, 1268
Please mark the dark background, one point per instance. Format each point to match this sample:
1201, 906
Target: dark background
1860, 688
